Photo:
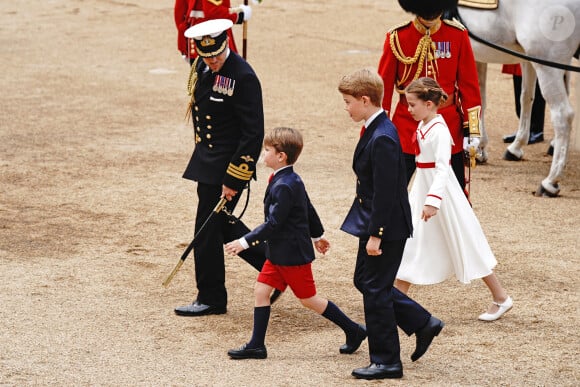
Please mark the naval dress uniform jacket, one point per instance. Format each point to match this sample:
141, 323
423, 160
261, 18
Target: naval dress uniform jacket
381, 208
450, 62
290, 221
228, 122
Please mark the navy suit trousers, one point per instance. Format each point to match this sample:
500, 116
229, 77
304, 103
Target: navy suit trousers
385, 307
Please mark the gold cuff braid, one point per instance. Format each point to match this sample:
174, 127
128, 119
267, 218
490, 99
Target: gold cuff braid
473, 115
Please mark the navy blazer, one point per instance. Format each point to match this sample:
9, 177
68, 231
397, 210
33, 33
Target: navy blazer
290, 221
381, 206
228, 121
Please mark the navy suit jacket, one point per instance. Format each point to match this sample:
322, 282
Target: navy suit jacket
290, 221
381, 207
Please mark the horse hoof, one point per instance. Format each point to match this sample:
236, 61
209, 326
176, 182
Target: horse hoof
550, 151
551, 192
509, 156
481, 156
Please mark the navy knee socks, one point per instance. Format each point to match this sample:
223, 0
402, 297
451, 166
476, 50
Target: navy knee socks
261, 317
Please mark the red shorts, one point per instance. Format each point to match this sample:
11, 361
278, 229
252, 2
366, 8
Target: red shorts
299, 278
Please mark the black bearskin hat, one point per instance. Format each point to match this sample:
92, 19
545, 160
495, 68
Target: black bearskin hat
427, 9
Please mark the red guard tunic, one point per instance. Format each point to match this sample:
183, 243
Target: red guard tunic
188, 13
443, 53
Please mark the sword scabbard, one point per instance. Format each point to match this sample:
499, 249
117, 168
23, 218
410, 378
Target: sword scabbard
217, 209
175, 270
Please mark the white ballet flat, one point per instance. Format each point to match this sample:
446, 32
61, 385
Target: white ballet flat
503, 308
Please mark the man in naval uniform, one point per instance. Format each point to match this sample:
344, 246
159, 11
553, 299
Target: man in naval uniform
228, 124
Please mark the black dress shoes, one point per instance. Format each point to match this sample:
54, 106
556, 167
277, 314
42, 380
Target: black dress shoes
425, 336
534, 138
198, 309
354, 341
379, 371
248, 353
509, 138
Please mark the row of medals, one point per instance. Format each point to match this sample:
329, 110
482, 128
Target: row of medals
224, 85
443, 50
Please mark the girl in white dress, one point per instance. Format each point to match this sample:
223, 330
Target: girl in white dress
451, 243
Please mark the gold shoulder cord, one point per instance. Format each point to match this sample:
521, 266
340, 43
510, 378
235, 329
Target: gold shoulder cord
191, 83
425, 48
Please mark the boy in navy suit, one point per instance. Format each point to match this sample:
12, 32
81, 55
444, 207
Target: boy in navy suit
380, 217
290, 228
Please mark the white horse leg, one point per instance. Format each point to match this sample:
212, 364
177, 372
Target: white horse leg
514, 151
561, 111
481, 156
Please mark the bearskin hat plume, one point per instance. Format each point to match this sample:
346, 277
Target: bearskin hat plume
427, 9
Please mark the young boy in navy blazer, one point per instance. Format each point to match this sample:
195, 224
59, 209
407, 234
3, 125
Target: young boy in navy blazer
380, 217
290, 228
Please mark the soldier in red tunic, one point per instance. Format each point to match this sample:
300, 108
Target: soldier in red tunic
428, 46
188, 13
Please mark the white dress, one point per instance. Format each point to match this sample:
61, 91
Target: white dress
451, 242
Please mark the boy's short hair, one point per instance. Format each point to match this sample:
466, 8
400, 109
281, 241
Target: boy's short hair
363, 82
285, 140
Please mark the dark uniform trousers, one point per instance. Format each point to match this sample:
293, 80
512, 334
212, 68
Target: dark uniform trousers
385, 306
209, 251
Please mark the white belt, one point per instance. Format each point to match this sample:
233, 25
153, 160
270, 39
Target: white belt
196, 14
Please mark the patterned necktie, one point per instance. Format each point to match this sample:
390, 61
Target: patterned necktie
362, 130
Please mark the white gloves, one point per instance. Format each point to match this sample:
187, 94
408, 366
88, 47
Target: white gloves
470, 147
247, 10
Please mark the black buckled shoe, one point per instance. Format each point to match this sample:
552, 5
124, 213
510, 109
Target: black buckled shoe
199, 309
248, 353
425, 336
354, 342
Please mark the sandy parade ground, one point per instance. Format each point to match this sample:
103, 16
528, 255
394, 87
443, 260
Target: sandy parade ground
94, 213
